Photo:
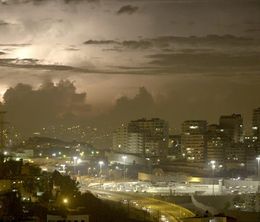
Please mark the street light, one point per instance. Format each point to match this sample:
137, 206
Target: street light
101, 163
213, 166
124, 159
65, 201
258, 166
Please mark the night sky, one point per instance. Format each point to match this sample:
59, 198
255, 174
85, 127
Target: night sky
108, 61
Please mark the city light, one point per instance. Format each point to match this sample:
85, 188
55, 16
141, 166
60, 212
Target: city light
101, 163
130, 110
65, 201
212, 162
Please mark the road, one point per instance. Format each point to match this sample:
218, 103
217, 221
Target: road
165, 211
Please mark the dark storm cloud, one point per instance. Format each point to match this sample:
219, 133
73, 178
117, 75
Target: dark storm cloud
127, 9
14, 45
168, 41
131, 44
206, 40
34, 64
163, 55
207, 63
126, 108
141, 104
100, 42
177, 103
54, 104
49, 104
210, 55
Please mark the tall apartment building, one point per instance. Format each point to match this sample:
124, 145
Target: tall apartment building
235, 152
135, 142
233, 127
193, 140
120, 136
148, 138
216, 143
251, 153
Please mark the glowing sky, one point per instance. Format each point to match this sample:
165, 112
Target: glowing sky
197, 58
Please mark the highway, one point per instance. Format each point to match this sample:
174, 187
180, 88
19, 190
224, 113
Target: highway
165, 211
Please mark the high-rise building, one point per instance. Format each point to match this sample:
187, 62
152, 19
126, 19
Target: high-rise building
233, 127
193, 140
155, 133
120, 139
135, 143
216, 144
251, 154
235, 151
148, 138
222, 149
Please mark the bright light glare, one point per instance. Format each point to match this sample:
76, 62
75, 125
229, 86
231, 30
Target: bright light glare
101, 163
23, 53
212, 162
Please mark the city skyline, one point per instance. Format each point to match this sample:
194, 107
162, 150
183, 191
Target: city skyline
130, 110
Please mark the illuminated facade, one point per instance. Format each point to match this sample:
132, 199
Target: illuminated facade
193, 140
216, 143
120, 137
148, 138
